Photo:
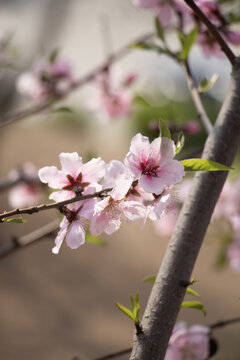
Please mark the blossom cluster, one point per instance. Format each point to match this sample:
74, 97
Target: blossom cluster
112, 96
176, 10
188, 344
47, 78
138, 188
227, 209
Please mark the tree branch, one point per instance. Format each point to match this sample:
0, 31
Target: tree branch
29, 239
114, 355
167, 293
224, 323
57, 205
213, 30
12, 117
197, 100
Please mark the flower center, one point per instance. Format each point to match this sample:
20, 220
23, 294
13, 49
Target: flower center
149, 168
76, 185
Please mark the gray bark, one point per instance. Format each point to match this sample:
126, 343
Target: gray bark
168, 291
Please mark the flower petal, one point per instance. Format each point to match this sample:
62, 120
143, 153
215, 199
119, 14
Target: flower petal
93, 170
71, 163
52, 176
76, 235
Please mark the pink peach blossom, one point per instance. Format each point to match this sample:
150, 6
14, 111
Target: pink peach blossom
110, 212
188, 344
233, 255
74, 225
46, 79
74, 177
153, 164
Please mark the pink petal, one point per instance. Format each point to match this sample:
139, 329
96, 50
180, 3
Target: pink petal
171, 172
121, 187
146, 4
62, 195
99, 223
52, 176
113, 170
71, 163
76, 235
140, 147
164, 15
132, 164
93, 170
152, 184
60, 236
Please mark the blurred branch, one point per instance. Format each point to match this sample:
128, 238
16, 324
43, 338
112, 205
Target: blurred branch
12, 117
57, 205
196, 99
213, 30
8, 182
224, 323
29, 239
114, 355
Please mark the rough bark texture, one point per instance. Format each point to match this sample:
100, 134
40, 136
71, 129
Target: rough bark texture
168, 291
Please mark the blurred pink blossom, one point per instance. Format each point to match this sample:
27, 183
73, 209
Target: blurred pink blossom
188, 344
27, 192
45, 80
111, 97
233, 255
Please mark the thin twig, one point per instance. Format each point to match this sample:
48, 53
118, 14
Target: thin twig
114, 355
213, 30
196, 99
9, 182
12, 117
57, 205
224, 323
29, 239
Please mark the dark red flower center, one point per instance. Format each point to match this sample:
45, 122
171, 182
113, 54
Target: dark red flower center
76, 185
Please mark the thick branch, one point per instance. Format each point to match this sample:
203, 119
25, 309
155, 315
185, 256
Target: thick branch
57, 205
9, 118
29, 239
213, 30
167, 293
197, 100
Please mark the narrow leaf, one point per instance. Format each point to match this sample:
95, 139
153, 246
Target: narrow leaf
150, 279
203, 165
192, 281
165, 132
207, 84
126, 311
54, 55
152, 47
180, 143
187, 42
64, 109
194, 305
17, 221
190, 291
94, 240
159, 29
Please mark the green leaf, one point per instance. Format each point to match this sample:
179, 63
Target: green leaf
194, 305
165, 132
192, 292
94, 240
180, 143
140, 100
152, 47
150, 279
159, 29
134, 314
54, 55
17, 221
203, 165
64, 109
207, 84
192, 281
126, 311
187, 42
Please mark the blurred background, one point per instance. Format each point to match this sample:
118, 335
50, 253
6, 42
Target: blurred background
61, 306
